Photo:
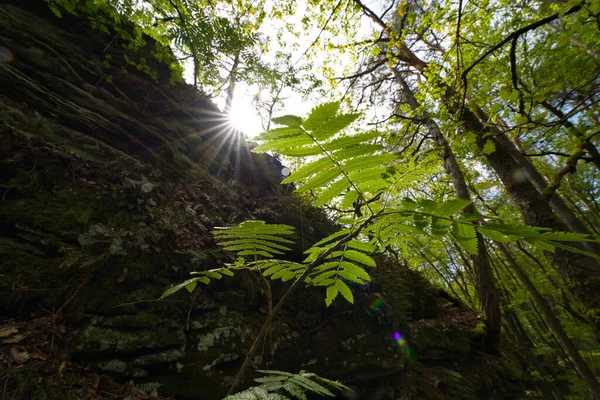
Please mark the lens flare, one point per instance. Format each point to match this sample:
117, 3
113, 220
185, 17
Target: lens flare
6, 55
407, 349
400, 340
377, 303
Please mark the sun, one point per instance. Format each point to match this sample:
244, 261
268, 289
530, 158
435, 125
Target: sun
243, 116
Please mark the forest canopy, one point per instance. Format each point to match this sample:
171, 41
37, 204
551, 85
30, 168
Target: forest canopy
459, 138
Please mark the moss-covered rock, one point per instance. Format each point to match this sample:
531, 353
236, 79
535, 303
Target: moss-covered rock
102, 337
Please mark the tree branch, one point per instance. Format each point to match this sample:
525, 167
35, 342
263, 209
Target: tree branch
513, 74
519, 32
569, 168
365, 72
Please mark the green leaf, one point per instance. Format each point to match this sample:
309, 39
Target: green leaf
368, 161
273, 269
323, 276
344, 142
505, 93
349, 199
409, 204
302, 151
325, 266
55, 10
226, 271
334, 190
288, 120
278, 133
355, 270
213, 274
177, 288
302, 380
489, 147
295, 390
495, 235
320, 114
332, 293
333, 126
345, 291
521, 120
246, 241
451, 207
283, 143
254, 238
466, 236
331, 238
191, 286
542, 245
359, 257
309, 170
321, 179
350, 277
440, 226
362, 246
252, 246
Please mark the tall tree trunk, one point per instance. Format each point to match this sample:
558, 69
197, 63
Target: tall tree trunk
581, 366
566, 215
486, 285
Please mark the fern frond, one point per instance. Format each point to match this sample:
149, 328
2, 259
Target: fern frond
321, 114
341, 160
288, 120
296, 385
255, 238
333, 126
342, 265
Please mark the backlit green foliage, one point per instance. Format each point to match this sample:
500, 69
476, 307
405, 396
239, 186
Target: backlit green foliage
279, 385
341, 164
255, 238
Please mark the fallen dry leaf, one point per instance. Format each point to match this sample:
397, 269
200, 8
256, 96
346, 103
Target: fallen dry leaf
20, 356
36, 355
14, 339
8, 330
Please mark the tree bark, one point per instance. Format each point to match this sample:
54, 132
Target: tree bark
566, 215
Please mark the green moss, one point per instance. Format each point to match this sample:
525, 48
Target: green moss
103, 340
479, 331
65, 212
513, 368
28, 276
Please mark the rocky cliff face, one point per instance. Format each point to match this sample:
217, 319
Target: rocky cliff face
111, 181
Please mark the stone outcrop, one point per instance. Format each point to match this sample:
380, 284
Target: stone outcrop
112, 179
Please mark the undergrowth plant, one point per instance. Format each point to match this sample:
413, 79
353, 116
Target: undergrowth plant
278, 385
360, 177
